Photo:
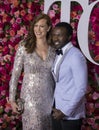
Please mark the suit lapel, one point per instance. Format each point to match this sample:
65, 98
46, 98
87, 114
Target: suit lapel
56, 76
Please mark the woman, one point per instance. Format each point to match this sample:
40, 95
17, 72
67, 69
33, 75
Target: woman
36, 56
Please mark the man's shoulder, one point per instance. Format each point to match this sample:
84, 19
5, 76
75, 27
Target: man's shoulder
75, 50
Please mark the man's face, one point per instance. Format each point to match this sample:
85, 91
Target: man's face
59, 37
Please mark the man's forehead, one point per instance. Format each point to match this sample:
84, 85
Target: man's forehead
58, 30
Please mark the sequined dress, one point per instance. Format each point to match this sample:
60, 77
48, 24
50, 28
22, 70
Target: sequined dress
37, 88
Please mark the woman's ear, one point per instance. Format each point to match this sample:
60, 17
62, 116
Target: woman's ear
48, 29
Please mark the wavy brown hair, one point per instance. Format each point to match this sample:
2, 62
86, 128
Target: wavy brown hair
30, 42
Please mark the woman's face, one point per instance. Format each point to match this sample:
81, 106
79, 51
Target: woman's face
41, 28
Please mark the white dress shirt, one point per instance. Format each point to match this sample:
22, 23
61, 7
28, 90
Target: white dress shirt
58, 58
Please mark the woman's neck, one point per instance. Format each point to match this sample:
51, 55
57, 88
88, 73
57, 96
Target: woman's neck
41, 44
42, 49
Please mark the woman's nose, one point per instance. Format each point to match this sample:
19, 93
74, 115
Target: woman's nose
38, 28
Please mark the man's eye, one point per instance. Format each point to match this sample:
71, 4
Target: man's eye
58, 35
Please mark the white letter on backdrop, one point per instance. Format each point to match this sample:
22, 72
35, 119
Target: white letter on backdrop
65, 7
82, 32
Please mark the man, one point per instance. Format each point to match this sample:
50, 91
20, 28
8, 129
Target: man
70, 74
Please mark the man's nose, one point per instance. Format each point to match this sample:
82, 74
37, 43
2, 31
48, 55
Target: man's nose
56, 38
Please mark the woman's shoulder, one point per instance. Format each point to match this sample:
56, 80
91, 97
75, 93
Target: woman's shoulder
21, 46
22, 43
52, 51
52, 48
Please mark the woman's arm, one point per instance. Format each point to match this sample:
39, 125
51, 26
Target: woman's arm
16, 71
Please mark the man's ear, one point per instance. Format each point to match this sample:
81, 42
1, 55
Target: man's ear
69, 38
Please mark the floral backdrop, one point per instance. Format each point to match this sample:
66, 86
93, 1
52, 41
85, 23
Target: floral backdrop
15, 16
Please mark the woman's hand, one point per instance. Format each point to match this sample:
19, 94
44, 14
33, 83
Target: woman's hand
14, 106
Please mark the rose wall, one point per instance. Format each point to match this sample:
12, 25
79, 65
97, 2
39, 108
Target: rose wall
15, 17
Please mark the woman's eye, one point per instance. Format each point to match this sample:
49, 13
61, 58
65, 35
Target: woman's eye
35, 25
42, 26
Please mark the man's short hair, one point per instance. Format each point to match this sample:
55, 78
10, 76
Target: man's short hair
66, 25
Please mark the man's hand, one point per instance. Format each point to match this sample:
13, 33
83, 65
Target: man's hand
57, 114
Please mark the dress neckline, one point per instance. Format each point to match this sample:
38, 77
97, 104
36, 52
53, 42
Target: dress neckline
47, 55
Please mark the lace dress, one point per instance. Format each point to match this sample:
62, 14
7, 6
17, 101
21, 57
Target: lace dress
37, 88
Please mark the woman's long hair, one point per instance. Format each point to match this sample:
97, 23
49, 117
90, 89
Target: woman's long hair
30, 42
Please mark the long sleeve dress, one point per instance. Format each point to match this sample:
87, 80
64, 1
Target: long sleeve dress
37, 88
